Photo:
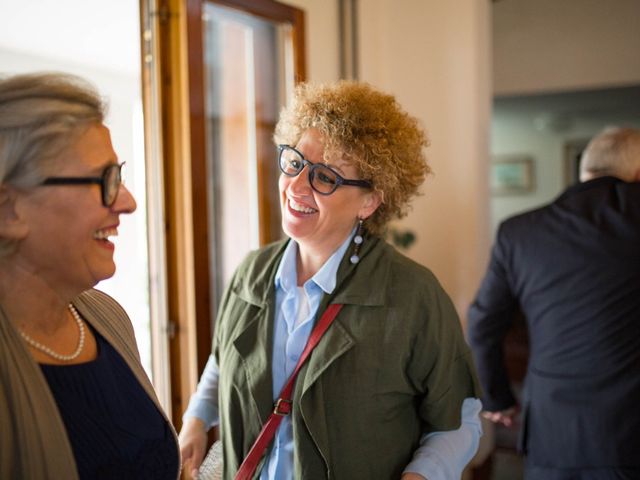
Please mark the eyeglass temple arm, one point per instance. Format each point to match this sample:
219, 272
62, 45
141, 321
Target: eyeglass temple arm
356, 183
71, 180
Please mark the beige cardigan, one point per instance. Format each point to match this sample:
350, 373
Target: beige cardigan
33, 438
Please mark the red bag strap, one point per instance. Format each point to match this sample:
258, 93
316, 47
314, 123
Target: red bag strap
282, 405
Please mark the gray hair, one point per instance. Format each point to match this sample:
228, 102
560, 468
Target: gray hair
41, 114
615, 151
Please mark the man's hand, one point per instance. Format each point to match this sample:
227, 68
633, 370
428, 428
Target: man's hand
193, 442
504, 417
412, 476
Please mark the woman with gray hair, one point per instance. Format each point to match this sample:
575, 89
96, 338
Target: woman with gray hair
75, 401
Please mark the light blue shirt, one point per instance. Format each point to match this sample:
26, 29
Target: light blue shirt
441, 455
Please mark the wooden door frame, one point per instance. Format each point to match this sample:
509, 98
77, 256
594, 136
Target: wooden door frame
181, 95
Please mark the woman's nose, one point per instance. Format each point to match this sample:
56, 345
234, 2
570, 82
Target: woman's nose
125, 203
301, 182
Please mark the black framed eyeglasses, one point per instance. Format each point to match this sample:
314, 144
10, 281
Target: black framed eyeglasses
323, 179
109, 182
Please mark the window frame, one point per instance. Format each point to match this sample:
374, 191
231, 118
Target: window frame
180, 83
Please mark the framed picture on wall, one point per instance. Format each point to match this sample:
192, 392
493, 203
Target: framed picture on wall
512, 175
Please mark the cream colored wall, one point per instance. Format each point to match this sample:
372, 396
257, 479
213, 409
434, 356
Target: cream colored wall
435, 57
548, 45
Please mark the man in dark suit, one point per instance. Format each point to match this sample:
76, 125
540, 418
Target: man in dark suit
573, 268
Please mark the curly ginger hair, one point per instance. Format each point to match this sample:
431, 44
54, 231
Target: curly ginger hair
370, 130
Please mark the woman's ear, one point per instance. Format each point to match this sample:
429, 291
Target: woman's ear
11, 225
371, 204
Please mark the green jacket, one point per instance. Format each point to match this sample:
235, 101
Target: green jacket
392, 366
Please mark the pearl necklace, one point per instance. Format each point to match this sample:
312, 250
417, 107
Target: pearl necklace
51, 353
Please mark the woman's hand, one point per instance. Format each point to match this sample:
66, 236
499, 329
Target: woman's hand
193, 443
504, 417
412, 476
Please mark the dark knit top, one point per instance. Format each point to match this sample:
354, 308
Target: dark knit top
115, 429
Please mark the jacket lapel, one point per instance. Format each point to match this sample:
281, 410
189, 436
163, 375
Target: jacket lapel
337, 340
255, 345
359, 278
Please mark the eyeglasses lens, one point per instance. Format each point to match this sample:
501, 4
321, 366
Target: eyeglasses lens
290, 162
112, 180
322, 178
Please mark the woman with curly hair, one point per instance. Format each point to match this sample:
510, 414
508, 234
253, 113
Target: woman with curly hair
389, 391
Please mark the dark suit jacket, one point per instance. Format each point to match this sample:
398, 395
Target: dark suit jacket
573, 267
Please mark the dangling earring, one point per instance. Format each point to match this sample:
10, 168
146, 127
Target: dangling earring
357, 239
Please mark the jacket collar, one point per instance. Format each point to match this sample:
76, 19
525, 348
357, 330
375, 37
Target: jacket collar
588, 185
257, 284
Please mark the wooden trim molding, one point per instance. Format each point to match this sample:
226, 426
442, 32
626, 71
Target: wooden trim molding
182, 94
279, 12
268, 9
177, 144
199, 175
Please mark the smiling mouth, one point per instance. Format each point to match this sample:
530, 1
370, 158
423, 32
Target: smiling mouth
105, 233
300, 208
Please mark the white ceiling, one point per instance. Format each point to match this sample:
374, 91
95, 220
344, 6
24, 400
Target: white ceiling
100, 33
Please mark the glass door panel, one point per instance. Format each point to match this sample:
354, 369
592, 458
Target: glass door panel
246, 71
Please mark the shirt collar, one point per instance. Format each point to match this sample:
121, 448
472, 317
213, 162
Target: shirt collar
325, 278
287, 272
